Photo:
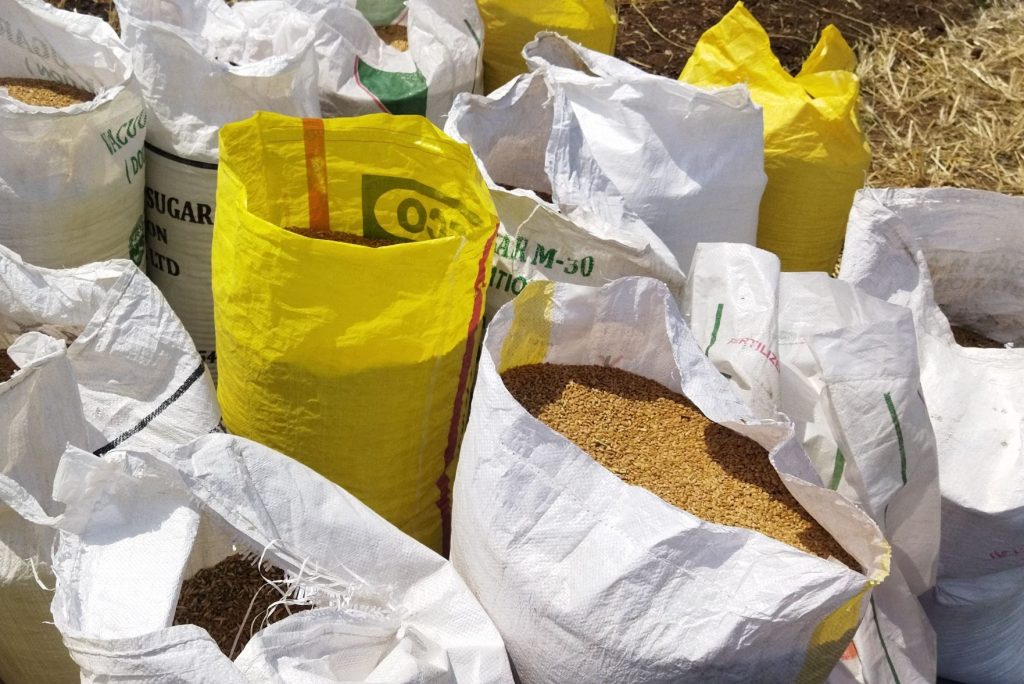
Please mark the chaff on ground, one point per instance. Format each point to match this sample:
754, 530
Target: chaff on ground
948, 111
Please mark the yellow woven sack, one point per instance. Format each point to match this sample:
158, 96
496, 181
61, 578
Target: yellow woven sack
511, 24
352, 359
815, 154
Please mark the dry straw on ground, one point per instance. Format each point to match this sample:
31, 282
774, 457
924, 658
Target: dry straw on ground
948, 111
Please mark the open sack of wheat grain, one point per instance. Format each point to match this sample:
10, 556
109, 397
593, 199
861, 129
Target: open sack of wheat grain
771, 499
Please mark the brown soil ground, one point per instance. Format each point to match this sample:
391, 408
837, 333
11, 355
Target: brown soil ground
659, 35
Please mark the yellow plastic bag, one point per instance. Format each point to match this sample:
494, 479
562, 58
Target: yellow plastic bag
815, 154
351, 359
511, 24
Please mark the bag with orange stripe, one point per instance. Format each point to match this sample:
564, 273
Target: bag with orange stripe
349, 263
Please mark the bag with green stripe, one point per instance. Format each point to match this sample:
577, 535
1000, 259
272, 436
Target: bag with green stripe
843, 366
397, 56
590, 579
955, 258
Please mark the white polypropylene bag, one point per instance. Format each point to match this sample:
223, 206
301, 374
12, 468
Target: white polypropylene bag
633, 148
537, 242
40, 413
731, 306
957, 257
842, 365
203, 64
103, 362
851, 376
71, 179
360, 74
589, 579
141, 382
387, 609
623, 149
510, 135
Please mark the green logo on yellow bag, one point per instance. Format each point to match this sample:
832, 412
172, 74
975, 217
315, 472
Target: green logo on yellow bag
407, 210
393, 91
137, 242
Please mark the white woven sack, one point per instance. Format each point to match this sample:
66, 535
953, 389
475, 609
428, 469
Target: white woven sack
71, 179
843, 367
590, 579
137, 524
509, 136
360, 74
957, 257
201, 65
731, 306
141, 382
130, 375
634, 148
852, 376
41, 413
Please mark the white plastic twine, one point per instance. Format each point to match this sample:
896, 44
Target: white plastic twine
311, 586
35, 575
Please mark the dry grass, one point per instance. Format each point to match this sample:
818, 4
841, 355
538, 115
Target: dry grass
948, 111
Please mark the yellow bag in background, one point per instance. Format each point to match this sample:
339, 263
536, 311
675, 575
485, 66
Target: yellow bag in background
511, 24
815, 154
353, 360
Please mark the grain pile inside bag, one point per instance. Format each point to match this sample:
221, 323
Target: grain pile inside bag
956, 259
397, 57
591, 579
355, 360
201, 65
356, 599
100, 360
72, 125
815, 154
631, 150
510, 24
843, 366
